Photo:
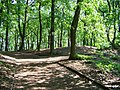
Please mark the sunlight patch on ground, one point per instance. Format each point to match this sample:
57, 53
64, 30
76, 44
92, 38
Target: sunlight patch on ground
42, 59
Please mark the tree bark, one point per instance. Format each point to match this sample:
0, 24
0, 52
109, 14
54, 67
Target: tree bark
85, 32
16, 40
24, 28
73, 31
52, 28
115, 30
58, 39
1, 11
7, 27
40, 25
68, 38
1, 46
61, 34
18, 14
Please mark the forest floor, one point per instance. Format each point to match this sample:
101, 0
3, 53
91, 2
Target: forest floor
33, 70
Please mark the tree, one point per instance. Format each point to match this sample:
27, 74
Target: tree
52, 28
61, 33
40, 25
22, 34
7, 26
73, 30
1, 11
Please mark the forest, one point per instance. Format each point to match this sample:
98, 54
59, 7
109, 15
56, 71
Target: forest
30, 24
85, 31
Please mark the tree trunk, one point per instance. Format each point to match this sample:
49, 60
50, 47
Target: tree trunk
85, 32
37, 40
24, 28
1, 11
58, 39
68, 38
16, 39
40, 25
32, 42
7, 27
115, 30
28, 44
118, 21
61, 34
91, 39
73, 31
84, 39
52, 28
94, 39
1, 46
84, 36
18, 14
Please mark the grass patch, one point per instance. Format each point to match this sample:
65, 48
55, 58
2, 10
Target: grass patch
115, 57
83, 57
107, 66
104, 63
1, 63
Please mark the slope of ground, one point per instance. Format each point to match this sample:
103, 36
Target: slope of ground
35, 70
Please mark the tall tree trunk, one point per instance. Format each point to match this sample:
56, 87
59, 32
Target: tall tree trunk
1, 10
58, 39
16, 39
84, 39
94, 39
1, 46
68, 38
115, 30
73, 31
24, 28
108, 28
32, 42
37, 36
91, 39
7, 27
49, 40
52, 28
40, 25
85, 32
112, 42
61, 34
118, 19
18, 14
28, 44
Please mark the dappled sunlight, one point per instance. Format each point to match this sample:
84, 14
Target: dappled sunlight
48, 59
95, 74
32, 71
49, 77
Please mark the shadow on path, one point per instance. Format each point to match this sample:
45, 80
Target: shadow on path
49, 77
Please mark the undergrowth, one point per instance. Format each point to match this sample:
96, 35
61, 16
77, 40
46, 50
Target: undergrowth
106, 64
83, 57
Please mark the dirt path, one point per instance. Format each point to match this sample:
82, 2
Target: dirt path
49, 76
39, 71
46, 74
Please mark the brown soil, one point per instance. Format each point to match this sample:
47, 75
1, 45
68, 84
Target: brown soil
35, 70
